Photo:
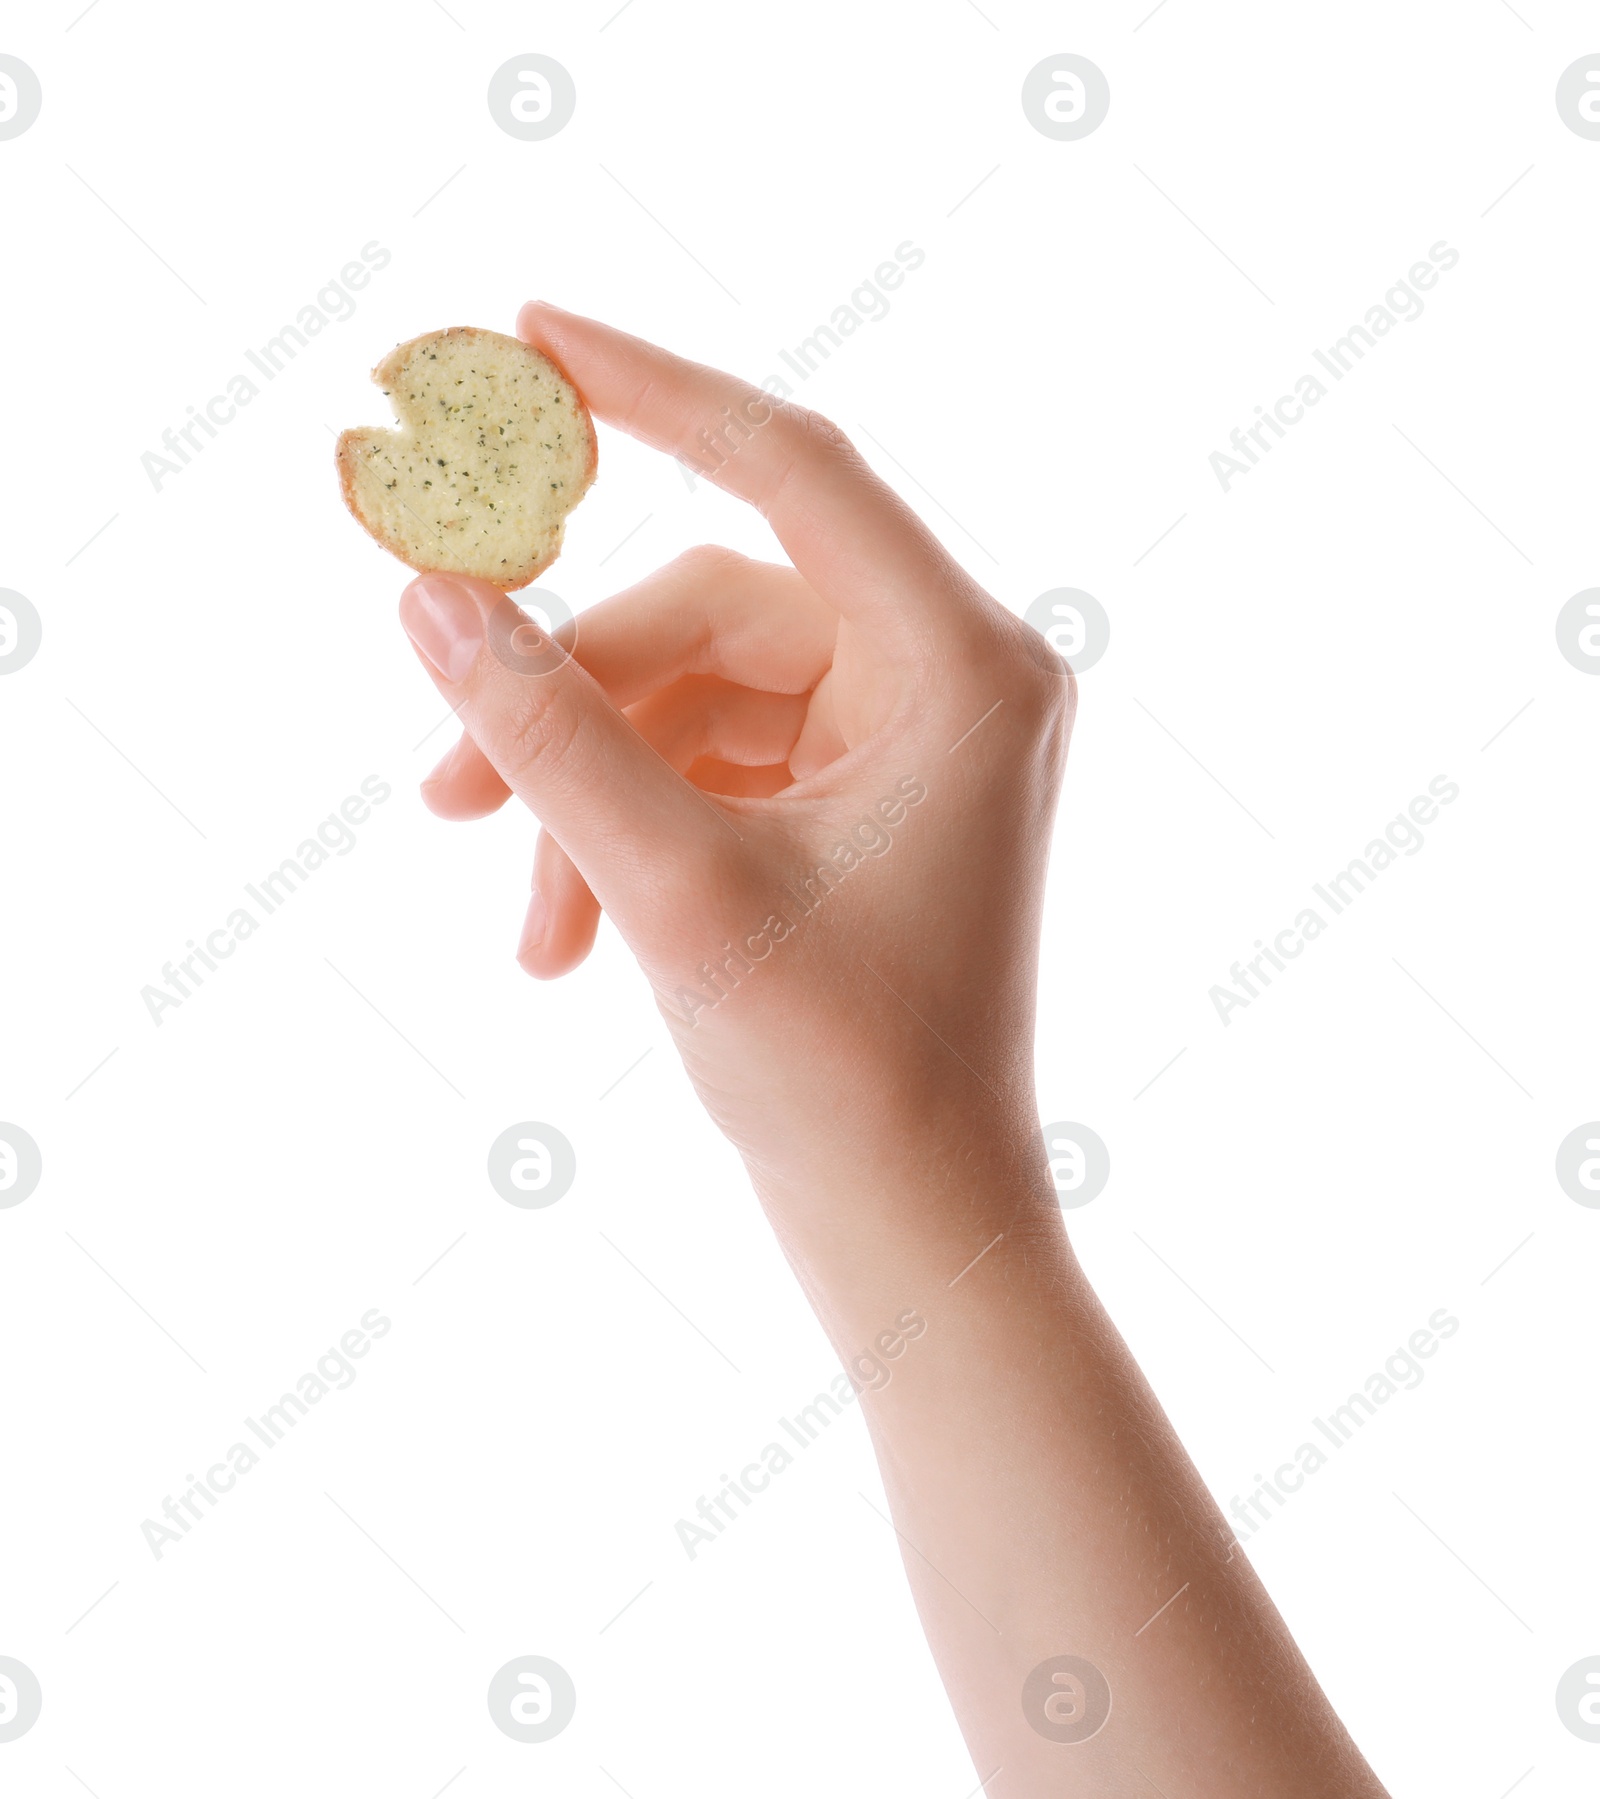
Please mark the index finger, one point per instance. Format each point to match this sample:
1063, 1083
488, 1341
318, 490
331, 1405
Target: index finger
852, 537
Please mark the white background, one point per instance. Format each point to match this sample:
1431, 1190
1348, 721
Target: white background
1287, 668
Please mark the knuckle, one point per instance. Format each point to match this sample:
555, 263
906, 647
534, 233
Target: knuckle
703, 576
1044, 677
812, 436
823, 430
1039, 685
538, 732
1057, 684
1047, 679
810, 445
1054, 702
708, 559
821, 434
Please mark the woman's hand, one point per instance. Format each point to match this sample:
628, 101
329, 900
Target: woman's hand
816, 801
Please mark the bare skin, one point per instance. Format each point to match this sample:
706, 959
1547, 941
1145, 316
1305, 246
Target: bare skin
866, 1042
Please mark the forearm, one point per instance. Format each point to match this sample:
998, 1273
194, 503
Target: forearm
1044, 1505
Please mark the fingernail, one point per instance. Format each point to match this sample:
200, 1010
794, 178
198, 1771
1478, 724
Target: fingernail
533, 926
441, 618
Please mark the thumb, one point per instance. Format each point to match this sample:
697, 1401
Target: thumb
627, 819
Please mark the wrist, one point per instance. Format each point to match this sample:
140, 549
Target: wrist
900, 1215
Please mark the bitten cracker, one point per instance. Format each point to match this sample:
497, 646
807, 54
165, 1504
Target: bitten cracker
494, 449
